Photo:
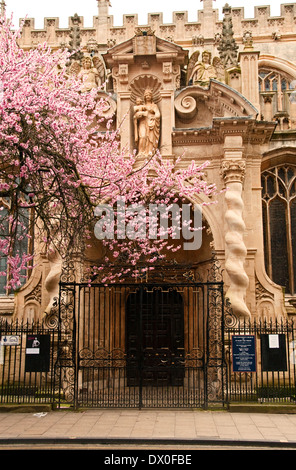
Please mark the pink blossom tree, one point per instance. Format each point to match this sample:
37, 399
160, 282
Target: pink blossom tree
57, 165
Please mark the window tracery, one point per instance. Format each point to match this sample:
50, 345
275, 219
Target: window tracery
279, 224
277, 92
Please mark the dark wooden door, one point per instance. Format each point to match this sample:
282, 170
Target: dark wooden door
155, 337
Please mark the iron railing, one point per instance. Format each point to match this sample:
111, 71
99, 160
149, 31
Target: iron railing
62, 364
271, 377
27, 357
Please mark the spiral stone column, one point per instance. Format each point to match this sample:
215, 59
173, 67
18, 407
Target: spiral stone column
53, 278
233, 173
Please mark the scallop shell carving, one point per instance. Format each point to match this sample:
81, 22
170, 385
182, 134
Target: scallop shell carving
141, 83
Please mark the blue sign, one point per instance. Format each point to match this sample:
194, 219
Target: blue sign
243, 353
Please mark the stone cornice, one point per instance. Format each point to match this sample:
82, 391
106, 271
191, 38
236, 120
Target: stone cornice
251, 130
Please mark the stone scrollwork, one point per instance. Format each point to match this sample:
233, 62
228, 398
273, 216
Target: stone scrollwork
261, 292
144, 31
186, 107
233, 173
109, 107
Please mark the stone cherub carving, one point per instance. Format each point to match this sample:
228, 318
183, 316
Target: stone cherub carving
146, 124
137, 111
91, 72
201, 72
88, 75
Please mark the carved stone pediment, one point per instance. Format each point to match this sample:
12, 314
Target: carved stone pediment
144, 45
197, 106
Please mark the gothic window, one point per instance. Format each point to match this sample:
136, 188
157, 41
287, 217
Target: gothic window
276, 83
279, 224
21, 244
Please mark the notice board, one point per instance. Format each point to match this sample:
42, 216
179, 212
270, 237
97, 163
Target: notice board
37, 353
243, 353
273, 352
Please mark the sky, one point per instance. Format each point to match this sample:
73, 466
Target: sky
63, 9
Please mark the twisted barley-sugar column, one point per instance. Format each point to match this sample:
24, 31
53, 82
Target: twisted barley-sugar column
233, 173
53, 278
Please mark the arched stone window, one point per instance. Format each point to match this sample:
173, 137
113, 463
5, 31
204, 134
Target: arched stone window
275, 82
277, 97
279, 223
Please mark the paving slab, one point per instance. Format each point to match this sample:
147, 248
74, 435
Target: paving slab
142, 426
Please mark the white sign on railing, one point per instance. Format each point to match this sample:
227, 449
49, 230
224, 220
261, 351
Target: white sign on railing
7, 340
10, 340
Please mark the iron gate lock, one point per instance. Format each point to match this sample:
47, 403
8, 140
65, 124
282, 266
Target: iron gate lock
37, 353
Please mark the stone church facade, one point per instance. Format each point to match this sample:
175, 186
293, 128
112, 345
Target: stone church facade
223, 91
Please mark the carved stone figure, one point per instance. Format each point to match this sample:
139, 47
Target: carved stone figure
137, 110
146, 124
204, 70
90, 70
89, 75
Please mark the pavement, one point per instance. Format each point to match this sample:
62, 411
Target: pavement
147, 428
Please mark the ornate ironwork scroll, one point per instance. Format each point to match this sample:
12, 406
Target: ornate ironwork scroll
65, 316
215, 363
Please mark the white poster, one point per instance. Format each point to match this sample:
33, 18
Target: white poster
274, 342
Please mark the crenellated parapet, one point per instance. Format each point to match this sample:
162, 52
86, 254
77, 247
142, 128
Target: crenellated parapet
205, 31
53, 35
263, 24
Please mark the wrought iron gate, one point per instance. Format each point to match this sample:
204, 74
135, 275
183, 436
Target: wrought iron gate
142, 345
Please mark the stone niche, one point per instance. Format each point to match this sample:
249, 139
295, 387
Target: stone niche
144, 63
